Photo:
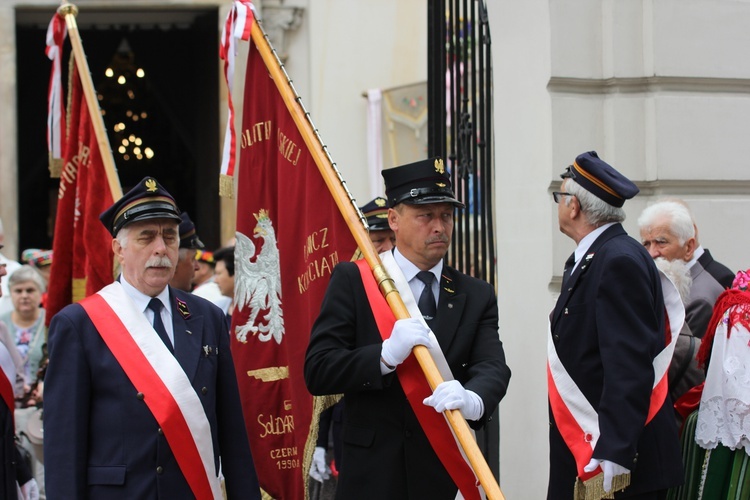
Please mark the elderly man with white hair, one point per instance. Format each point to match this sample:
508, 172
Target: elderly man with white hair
668, 230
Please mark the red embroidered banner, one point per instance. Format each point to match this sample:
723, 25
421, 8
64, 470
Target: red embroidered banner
82, 246
290, 235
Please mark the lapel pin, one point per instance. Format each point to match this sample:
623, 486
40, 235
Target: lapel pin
189, 332
183, 308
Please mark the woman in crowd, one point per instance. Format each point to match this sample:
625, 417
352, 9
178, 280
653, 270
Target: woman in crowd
26, 321
716, 438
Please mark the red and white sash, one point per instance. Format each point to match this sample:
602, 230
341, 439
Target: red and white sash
7, 379
415, 386
575, 418
157, 374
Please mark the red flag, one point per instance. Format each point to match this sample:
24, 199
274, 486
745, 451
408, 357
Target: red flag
290, 235
82, 247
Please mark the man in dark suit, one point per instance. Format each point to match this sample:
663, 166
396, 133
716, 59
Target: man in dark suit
141, 399
386, 451
605, 331
668, 230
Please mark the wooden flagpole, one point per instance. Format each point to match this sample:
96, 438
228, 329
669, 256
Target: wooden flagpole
356, 222
69, 12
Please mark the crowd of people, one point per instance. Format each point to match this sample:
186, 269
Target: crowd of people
647, 358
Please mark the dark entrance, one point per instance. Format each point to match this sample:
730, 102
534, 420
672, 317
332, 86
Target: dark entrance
175, 102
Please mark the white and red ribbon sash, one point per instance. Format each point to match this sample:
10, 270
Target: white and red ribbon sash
56, 33
237, 26
575, 418
415, 386
156, 373
7, 379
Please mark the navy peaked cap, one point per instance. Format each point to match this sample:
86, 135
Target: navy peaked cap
601, 179
419, 183
376, 213
147, 200
188, 237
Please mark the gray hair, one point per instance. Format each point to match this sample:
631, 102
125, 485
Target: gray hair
680, 221
677, 271
27, 273
122, 236
596, 210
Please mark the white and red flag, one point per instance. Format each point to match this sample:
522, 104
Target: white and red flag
82, 247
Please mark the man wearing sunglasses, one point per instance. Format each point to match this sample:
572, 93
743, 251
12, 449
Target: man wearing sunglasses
605, 331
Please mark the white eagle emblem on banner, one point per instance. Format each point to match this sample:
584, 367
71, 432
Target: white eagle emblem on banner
258, 282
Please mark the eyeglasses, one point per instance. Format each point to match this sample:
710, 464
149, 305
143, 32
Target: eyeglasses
557, 195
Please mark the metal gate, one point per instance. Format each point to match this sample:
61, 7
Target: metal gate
459, 96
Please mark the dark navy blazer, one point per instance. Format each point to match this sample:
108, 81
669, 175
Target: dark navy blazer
101, 440
607, 327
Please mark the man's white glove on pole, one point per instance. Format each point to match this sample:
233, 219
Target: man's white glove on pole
451, 395
610, 470
406, 334
318, 469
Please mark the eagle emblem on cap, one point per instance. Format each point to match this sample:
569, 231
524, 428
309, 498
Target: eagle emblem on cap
151, 185
380, 202
439, 168
440, 184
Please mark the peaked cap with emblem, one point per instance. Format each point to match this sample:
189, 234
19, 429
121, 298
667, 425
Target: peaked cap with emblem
376, 213
188, 236
419, 183
147, 200
600, 179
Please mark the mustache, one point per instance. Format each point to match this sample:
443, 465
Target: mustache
162, 261
441, 237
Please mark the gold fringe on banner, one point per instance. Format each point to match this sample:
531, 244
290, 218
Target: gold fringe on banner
226, 186
320, 404
55, 167
79, 289
593, 489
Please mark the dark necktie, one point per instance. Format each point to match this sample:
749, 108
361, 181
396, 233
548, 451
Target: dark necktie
568, 267
156, 305
427, 300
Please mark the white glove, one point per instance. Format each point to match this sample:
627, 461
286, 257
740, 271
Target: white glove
318, 469
406, 334
610, 470
30, 490
451, 395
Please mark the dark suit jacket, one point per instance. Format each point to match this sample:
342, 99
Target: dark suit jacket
386, 453
710, 279
608, 326
719, 271
101, 441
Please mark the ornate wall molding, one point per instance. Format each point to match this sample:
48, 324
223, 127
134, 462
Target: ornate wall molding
277, 20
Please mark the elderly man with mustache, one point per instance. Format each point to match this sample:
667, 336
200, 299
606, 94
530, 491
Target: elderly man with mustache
395, 444
141, 399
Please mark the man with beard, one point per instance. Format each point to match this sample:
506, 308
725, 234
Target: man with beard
141, 398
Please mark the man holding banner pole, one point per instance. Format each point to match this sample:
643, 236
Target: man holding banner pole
396, 442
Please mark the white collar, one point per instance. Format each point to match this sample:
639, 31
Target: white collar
410, 270
696, 255
141, 300
589, 240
